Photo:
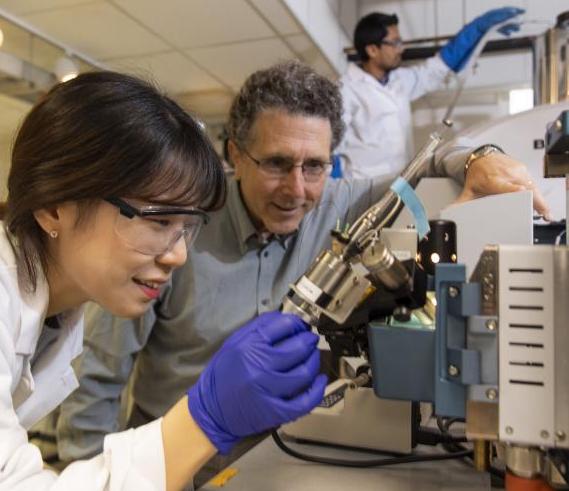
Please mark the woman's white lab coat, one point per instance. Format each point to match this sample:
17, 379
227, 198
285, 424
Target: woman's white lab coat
378, 139
35, 376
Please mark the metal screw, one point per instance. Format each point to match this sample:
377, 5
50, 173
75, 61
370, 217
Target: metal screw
338, 303
453, 370
560, 435
491, 394
491, 325
453, 292
544, 434
509, 430
356, 281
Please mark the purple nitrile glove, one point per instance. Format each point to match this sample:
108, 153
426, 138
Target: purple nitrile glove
458, 50
264, 375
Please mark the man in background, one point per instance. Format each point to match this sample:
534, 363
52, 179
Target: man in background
377, 92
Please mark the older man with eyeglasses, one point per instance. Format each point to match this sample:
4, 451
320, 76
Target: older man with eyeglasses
284, 124
378, 92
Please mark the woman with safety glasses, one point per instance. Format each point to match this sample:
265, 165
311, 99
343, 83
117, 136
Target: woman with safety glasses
110, 183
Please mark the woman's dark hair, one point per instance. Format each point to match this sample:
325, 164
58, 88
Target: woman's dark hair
372, 29
99, 135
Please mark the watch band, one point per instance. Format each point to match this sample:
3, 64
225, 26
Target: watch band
480, 152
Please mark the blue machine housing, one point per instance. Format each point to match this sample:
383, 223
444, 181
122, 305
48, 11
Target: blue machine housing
431, 365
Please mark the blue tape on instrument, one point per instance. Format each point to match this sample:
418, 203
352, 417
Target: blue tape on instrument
413, 203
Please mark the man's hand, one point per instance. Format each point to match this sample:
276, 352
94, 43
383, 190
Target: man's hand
497, 173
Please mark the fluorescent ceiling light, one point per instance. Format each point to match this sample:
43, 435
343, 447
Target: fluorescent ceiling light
65, 69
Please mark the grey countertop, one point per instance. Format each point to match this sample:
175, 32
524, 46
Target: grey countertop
267, 468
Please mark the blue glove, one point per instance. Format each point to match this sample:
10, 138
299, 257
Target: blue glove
264, 375
458, 50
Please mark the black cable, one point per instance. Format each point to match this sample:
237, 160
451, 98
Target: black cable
444, 424
369, 462
430, 436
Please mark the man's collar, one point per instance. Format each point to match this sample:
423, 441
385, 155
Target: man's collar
384, 80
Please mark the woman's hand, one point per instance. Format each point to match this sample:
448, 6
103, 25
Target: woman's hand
264, 375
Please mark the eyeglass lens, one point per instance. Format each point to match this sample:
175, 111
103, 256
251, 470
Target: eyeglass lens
158, 234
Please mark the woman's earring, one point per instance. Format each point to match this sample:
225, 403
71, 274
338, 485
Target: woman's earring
53, 234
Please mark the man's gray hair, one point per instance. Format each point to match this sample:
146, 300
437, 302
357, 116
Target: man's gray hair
291, 86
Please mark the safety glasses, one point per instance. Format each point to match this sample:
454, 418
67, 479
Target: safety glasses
156, 229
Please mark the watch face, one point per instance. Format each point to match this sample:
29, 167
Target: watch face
487, 151
481, 152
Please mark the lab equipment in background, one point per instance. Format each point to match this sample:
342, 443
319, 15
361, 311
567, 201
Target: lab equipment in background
551, 63
439, 246
498, 354
556, 161
358, 263
352, 415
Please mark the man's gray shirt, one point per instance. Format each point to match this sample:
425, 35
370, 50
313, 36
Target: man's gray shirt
231, 276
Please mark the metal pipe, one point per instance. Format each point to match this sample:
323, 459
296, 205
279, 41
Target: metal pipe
379, 215
481, 455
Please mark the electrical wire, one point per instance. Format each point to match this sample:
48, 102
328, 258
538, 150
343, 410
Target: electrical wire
383, 462
377, 228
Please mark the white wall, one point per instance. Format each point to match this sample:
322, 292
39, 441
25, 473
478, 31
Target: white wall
321, 20
426, 18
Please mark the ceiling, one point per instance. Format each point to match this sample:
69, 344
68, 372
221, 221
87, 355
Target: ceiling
200, 51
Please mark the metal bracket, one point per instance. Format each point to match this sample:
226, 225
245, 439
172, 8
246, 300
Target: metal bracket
455, 365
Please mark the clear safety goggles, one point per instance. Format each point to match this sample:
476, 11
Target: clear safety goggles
156, 229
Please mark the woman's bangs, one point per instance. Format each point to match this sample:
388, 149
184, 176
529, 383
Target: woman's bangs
186, 181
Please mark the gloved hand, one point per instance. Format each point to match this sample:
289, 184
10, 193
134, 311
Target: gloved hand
458, 50
264, 375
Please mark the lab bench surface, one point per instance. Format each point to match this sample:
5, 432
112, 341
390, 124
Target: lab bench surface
267, 468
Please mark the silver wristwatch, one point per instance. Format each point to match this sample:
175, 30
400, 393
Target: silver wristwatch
480, 152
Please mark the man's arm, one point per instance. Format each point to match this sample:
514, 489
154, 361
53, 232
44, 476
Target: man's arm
495, 173
418, 80
428, 76
103, 369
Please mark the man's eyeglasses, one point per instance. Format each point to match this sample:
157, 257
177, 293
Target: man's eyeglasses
155, 229
395, 43
279, 166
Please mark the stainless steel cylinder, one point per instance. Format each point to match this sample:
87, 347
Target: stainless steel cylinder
385, 268
327, 271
